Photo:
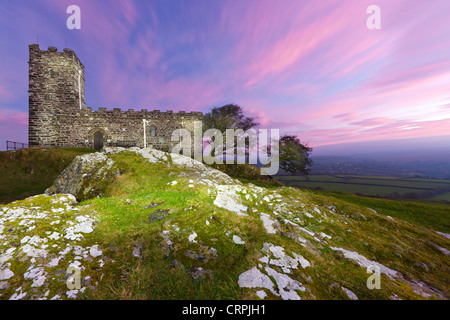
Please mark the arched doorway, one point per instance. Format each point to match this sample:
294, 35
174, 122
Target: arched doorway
98, 140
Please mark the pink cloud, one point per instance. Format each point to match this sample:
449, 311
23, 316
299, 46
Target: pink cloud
372, 122
394, 130
286, 47
13, 117
423, 73
3, 93
261, 116
347, 117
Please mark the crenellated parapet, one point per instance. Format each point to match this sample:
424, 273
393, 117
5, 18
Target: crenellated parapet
142, 114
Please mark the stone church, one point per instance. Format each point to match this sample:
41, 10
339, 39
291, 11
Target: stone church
59, 118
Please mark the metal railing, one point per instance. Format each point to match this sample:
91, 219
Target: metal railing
13, 145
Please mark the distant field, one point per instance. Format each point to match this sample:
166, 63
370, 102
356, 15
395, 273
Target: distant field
373, 185
444, 196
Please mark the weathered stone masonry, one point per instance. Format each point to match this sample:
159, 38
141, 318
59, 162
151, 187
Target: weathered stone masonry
58, 116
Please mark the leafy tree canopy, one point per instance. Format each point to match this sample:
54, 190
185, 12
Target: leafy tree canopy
230, 116
294, 156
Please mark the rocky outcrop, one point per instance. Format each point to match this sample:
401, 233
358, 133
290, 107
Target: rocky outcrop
89, 175
192, 167
86, 177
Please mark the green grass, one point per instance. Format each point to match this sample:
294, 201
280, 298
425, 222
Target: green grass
429, 214
442, 197
28, 172
155, 275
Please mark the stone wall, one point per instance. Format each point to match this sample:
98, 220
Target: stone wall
58, 116
121, 127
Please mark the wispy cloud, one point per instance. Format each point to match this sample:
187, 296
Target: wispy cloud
12, 117
372, 122
310, 67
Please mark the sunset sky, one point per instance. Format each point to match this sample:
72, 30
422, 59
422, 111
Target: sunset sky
309, 68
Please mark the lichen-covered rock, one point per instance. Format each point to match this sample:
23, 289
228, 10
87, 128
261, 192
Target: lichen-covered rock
227, 198
86, 177
194, 168
89, 175
268, 223
364, 262
35, 261
253, 278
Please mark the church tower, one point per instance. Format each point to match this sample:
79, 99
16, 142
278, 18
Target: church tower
56, 88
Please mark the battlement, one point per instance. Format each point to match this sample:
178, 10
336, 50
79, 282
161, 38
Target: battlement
143, 113
35, 50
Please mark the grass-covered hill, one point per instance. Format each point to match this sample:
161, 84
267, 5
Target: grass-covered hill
28, 172
144, 224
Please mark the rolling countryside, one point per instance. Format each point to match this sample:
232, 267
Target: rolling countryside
390, 187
